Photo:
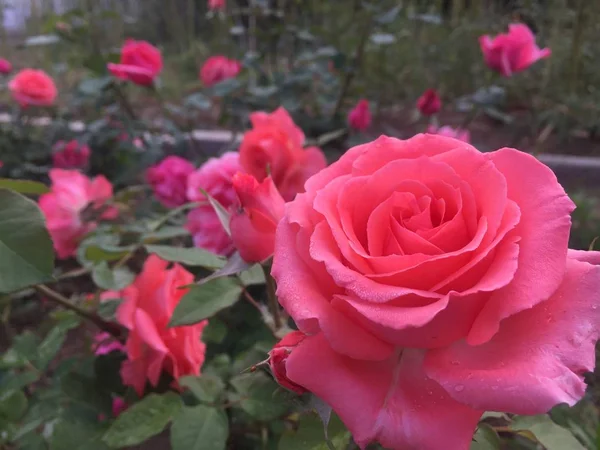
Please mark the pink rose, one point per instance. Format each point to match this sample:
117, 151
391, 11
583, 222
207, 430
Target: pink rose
71, 194
70, 155
254, 222
434, 283
219, 68
169, 180
215, 177
104, 344
429, 103
216, 4
278, 357
456, 133
152, 347
274, 147
140, 63
512, 52
5, 66
33, 87
360, 116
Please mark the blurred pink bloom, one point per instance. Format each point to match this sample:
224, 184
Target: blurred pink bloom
216, 4
140, 63
118, 406
215, 177
219, 68
71, 194
448, 131
152, 347
70, 155
33, 87
5, 66
512, 52
429, 103
104, 344
360, 116
169, 180
254, 222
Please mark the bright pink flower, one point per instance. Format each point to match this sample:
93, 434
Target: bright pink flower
448, 131
216, 4
429, 103
278, 357
215, 177
118, 406
219, 68
5, 66
169, 180
33, 87
434, 283
254, 222
72, 194
360, 116
140, 63
152, 347
104, 344
70, 155
274, 147
512, 52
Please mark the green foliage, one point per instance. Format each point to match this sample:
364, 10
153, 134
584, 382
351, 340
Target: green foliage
187, 256
309, 435
26, 255
200, 428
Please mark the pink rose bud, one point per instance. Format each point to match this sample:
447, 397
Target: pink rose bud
429, 103
5, 66
216, 4
70, 155
140, 63
360, 117
118, 406
219, 68
169, 180
278, 357
456, 133
512, 52
253, 225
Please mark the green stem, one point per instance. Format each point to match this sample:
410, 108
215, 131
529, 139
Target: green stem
273, 303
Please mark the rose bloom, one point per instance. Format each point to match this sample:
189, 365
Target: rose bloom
72, 194
215, 177
448, 131
360, 116
219, 68
429, 103
70, 155
5, 66
151, 346
434, 283
274, 147
216, 4
512, 52
140, 63
33, 87
169, 180
254, 221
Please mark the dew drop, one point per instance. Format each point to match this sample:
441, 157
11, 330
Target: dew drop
455, 363
459, 388
594, 306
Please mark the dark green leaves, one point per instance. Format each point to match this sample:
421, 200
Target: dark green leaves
187, 256
260, 396
200, 428
24, 186
310, 435
26, 255
206, 387
143, 420
205, 300
112, 279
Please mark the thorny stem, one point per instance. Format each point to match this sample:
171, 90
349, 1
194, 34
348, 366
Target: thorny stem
114, 330
273, 304
74, 273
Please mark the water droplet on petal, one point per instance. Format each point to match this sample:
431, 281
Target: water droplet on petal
459, 388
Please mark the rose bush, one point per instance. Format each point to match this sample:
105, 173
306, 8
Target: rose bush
434, 283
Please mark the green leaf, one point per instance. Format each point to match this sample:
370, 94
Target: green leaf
221, 211
206, 387
107, 309
225, 87
24, 186
198, 101
261, 397
548, 433
165, 233
32, 441
205, 300
235, 265
23, 352
15, 381
78, 435
83, 391
310, 435
143, 420
51, 344
485, 439
98, 253
200, 428
112, 279
13, 405
94, 86
215, 331
188, 256
254, 275
26, 255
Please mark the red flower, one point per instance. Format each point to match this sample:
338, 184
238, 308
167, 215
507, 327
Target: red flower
219, 68
429, 103
140, 63
169, 180
5, 66
360, 116
33, 87
70, 155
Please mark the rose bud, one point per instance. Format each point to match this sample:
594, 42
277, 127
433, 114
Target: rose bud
278, 357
